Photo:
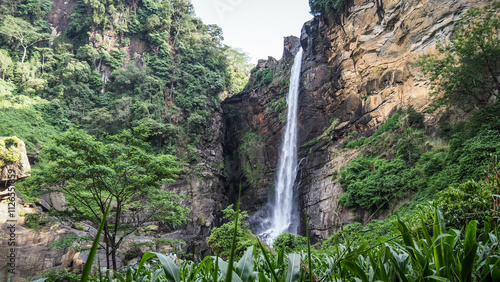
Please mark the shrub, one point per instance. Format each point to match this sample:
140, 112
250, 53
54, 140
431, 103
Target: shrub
72, 241
290, 243
61, 275
374, 183
415, 119
328, 6
36, 221
468, 201
221, 237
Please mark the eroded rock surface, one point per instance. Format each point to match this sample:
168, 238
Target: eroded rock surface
358, 69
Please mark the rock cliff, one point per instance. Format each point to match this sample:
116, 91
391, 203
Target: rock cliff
358, 69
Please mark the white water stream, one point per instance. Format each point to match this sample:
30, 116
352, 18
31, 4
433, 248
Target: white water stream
284, 217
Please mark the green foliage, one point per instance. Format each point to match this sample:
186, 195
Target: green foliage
61, 275
173, 92
427, 252
5, 62
375, 183
239, 68
465, 202
290, 243
20, 33
251, 142
264, 77
72, 242
35, 11
37, 221
415, 119
280, 105
9, 150
471, 144
328, 6
221, 237
466, 72
91, 172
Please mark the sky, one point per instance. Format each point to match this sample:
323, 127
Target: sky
255, 26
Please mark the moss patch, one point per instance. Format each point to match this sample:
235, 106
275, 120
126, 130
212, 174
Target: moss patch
10, 150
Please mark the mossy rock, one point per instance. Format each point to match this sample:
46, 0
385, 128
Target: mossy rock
13, 157
10, 150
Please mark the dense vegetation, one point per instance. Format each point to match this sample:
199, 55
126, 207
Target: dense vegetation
326, 6
139, 79
140, 117
171, 89
466, 71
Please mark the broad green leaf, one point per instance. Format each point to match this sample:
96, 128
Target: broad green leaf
224, 267
470, 248
356, 270
293, 273
245, 266
169, 267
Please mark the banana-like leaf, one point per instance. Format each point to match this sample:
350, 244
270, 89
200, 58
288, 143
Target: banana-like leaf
224, 266
262, 277
169, 267
356, 270
470, 248
293, 273
129, 275
244, 268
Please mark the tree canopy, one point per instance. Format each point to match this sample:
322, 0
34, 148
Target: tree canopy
120, 169
466, 71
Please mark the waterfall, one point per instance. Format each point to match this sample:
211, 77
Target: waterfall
284, 215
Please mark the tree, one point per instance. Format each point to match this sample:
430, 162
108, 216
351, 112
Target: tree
239, 68
21, 32
468, 68
221, 237
5, 62
328, 6
91, 173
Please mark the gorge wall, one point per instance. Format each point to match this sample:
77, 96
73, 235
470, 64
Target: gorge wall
358, 69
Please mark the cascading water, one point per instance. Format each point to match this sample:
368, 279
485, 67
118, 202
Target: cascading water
283, 218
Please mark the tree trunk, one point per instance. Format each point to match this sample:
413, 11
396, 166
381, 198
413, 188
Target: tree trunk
107, 237
113, 256
115, 232
24, 53
107, 254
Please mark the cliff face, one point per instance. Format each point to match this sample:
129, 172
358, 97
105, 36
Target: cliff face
254, 124
358, 69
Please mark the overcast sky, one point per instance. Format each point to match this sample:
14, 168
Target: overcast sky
256, 26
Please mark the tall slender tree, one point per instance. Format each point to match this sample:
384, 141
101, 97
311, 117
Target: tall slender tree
19, 32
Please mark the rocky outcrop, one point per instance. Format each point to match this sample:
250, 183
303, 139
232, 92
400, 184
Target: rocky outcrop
59, 16
359, 67
357, 74
14, 163
203, 187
